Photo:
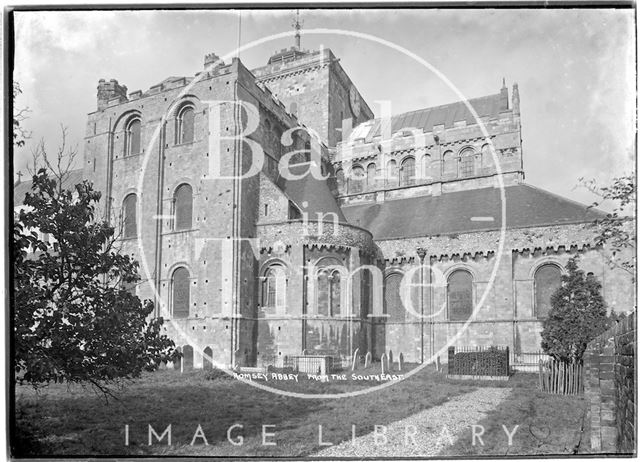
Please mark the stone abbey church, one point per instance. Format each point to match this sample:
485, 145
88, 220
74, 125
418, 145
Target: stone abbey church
398, 248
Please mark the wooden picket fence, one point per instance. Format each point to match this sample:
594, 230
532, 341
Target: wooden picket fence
561, 378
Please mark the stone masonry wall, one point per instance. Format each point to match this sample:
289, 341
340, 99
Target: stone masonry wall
610, 388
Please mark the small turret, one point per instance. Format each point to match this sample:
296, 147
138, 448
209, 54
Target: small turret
504, 96
110, 90
210, 59
516, 99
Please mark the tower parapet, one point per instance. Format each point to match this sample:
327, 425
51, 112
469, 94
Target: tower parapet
516, 99
108, 91
504, 96
211, 58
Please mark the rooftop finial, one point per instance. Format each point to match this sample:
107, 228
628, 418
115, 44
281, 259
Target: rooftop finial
297, 25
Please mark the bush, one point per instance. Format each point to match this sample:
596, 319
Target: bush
578, 314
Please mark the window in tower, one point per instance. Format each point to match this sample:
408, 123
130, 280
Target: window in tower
130, 228
180, 288
186, 125
183, 207
132, 138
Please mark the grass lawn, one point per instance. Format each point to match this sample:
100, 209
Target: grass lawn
547, 424
74, 421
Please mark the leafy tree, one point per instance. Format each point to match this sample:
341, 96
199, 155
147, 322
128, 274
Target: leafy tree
616, 230
76, 319
19, 115
578, 314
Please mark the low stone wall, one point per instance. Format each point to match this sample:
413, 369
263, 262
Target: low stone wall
610, 388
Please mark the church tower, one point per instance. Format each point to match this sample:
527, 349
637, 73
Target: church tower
314, 87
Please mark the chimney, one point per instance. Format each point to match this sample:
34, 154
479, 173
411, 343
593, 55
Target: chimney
504, 96
110, 90
211, 58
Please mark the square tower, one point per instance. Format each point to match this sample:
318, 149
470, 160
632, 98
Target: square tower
314, 86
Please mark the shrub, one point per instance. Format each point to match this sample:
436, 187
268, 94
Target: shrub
578, 314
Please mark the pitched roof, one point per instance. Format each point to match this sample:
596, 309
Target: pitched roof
316, 193
446, 115
467, 211
21, 189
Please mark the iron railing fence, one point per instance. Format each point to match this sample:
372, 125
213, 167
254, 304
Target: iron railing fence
490, 361
311, 364
527, 361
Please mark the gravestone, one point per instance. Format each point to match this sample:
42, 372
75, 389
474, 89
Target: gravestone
356, 359
187, 360
367, 359
384, 364
207, 359
177, 364
400, 362
390, 357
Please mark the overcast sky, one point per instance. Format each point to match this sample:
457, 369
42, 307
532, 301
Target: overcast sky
575, 69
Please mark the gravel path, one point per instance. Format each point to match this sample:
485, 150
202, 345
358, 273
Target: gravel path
433, 428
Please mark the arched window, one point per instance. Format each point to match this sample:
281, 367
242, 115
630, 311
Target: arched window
323, 292
408, 171
183, 207
129, 216
450, 166
486, 159
180, 288
546, 281
340, 180
186, 125
467, 163
392, 173
460, 295
371, 176
426, 167
356, 181
328, 287
132, 138
392, 301
334, 293
274, 288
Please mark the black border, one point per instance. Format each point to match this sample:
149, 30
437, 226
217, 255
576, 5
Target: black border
9, 64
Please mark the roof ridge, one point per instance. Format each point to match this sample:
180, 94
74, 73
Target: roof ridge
558, 196
493, 95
